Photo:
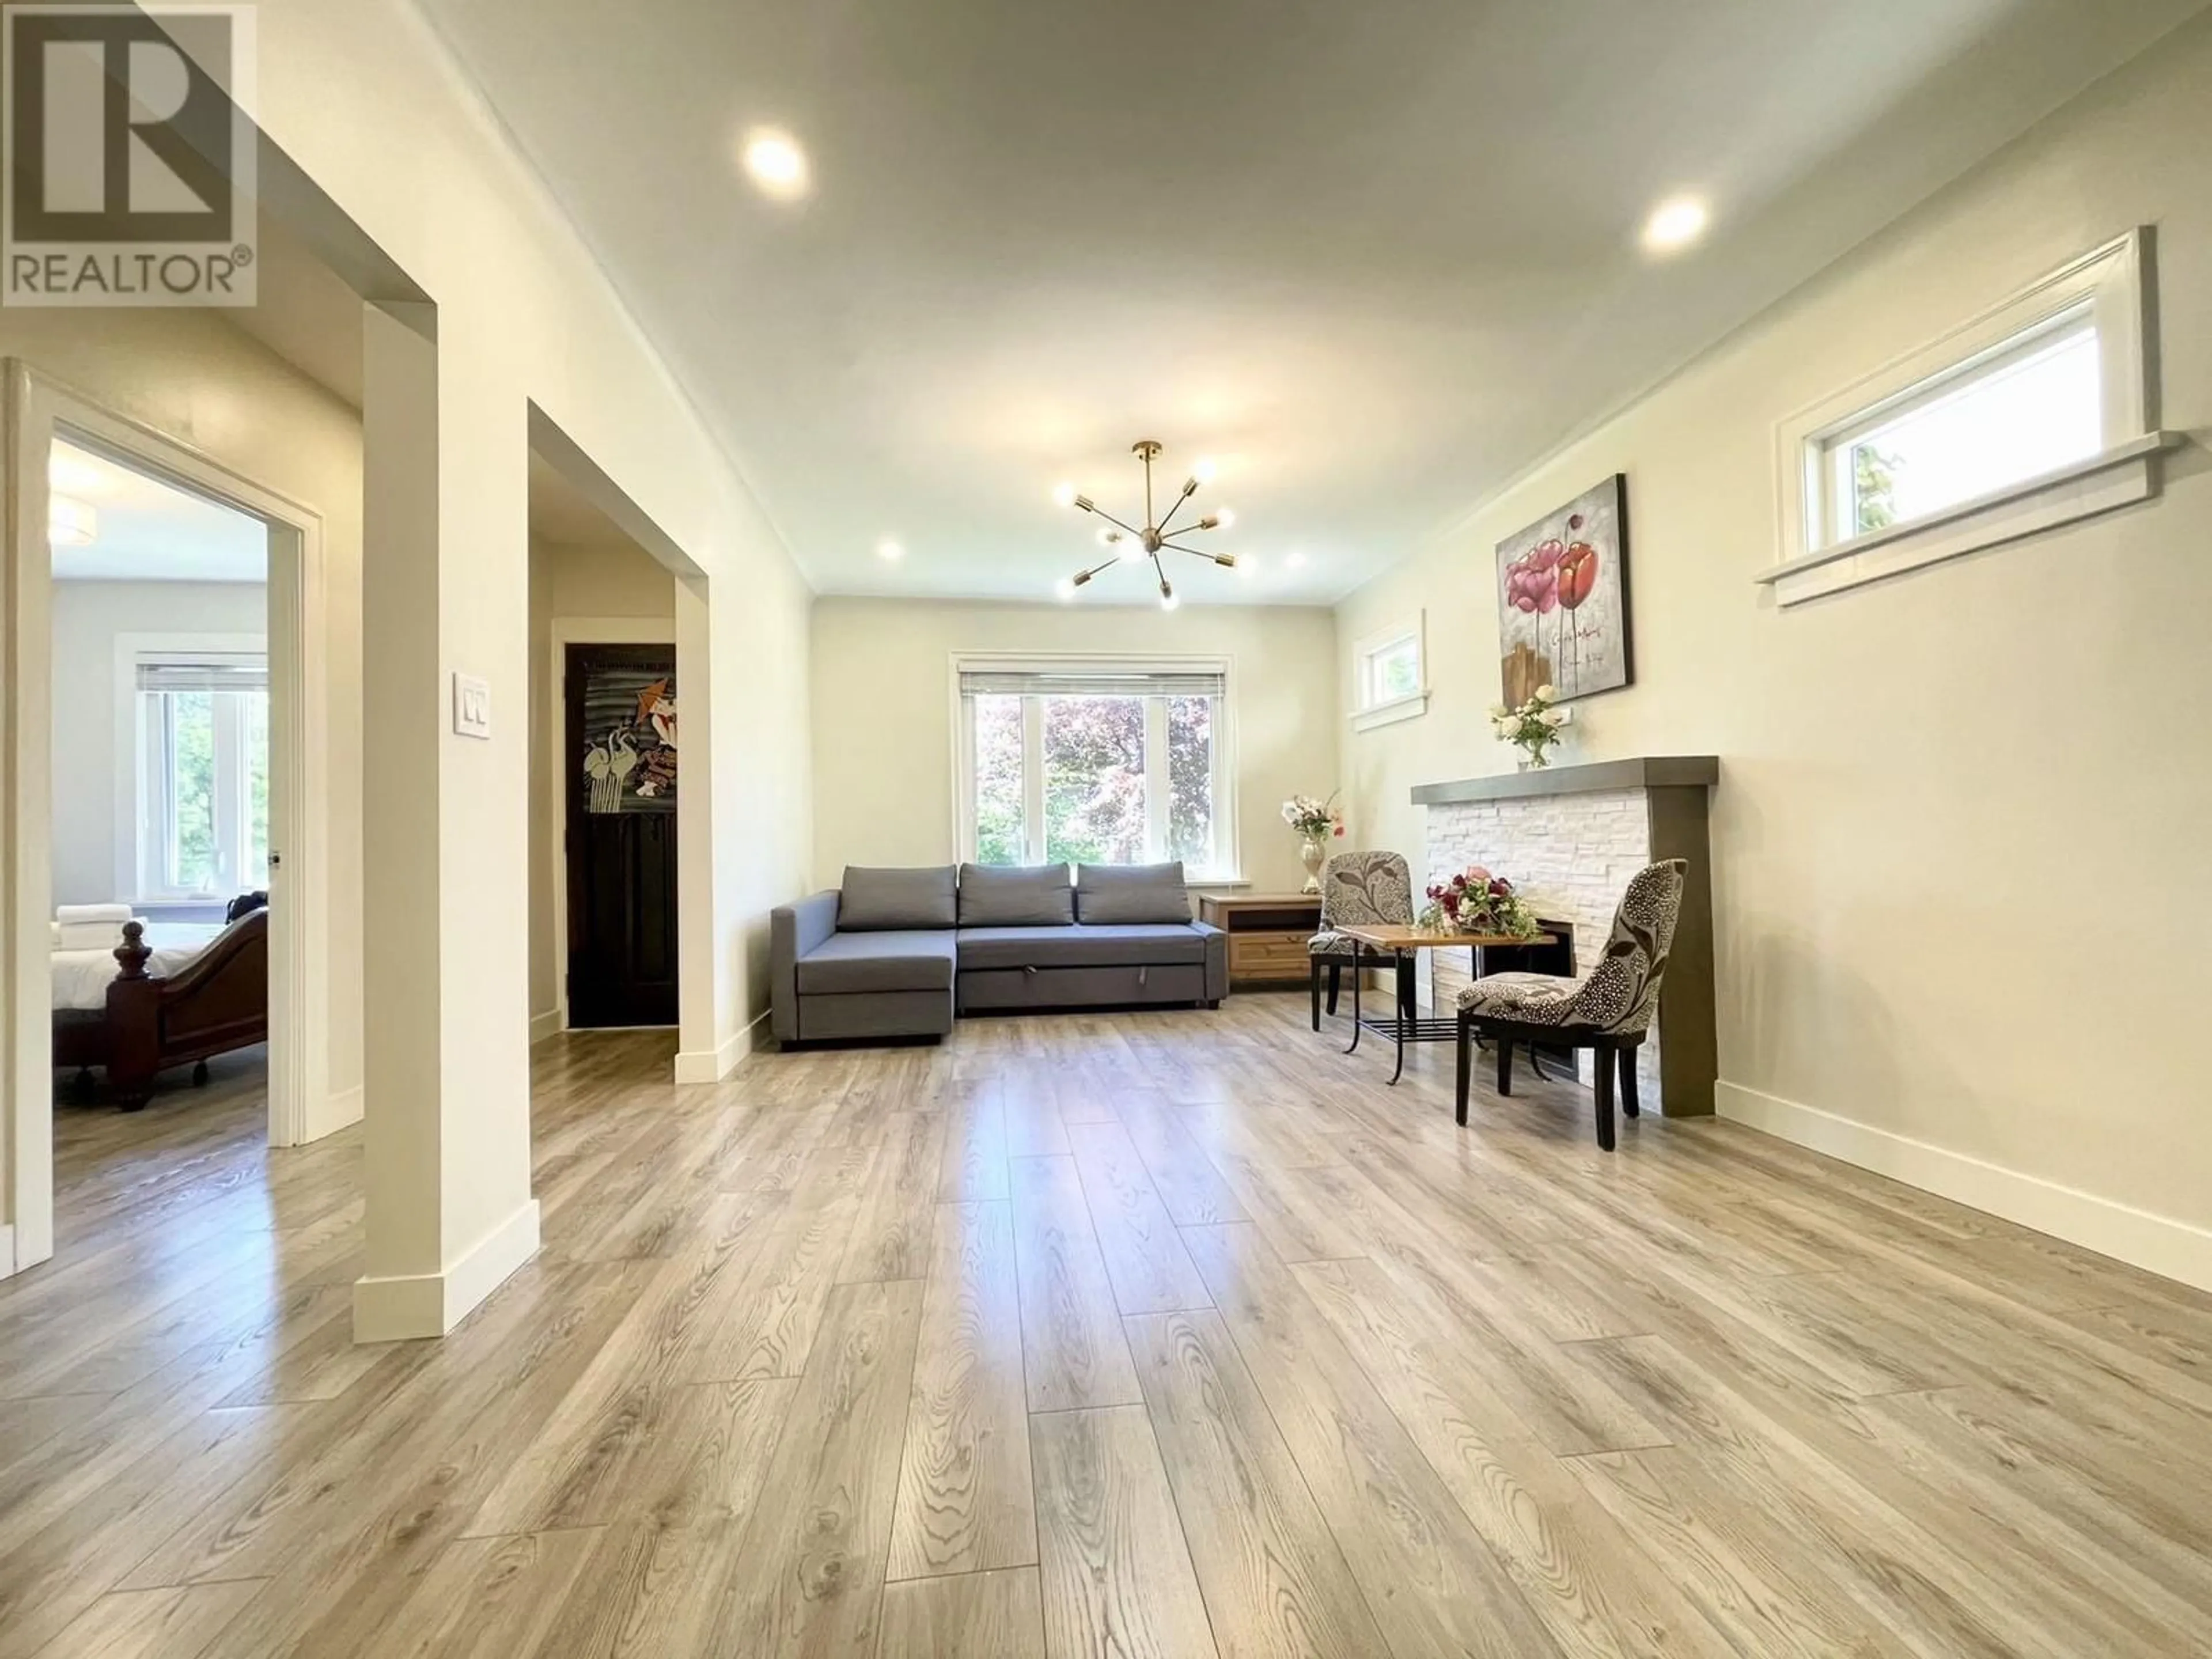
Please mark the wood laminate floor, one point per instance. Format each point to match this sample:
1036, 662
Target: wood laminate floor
1146, 1334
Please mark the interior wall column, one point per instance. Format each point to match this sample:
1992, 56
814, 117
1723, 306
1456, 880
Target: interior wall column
701, 1046
446, 829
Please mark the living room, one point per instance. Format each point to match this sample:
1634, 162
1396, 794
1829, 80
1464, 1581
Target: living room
1398, 732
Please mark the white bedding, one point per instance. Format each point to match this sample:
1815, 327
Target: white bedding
81, 977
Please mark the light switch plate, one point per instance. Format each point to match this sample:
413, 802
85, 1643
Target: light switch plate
472, 706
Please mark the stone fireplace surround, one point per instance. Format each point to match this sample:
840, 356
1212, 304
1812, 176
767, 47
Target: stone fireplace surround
1569, 838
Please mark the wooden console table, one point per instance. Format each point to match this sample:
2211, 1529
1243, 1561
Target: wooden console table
1268, 934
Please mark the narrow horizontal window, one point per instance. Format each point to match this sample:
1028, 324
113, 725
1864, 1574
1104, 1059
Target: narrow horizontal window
2034, 404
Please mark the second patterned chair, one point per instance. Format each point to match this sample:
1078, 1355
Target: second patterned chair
1359, 890
1609, 1010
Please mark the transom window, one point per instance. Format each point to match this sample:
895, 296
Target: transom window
1084, 763
1390, 675
2038, 413
2034, 402
203, 752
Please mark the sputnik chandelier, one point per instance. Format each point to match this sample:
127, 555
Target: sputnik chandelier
1154, 537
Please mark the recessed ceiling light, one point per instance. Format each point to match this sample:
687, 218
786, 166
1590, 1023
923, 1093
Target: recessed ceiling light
1674, 224
777, 163
890, 550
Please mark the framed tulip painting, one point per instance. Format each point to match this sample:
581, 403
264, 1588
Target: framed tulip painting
1562, 599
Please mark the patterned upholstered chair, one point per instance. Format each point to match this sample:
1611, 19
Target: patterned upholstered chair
1608, 1010
1358, 890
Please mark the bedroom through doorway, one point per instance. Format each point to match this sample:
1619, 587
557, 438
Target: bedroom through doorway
162, 802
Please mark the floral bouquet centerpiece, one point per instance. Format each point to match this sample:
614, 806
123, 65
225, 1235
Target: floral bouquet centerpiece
1476, 902
1534, 726
1316, 821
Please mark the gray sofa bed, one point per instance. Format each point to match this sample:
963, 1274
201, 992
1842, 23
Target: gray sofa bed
902, 953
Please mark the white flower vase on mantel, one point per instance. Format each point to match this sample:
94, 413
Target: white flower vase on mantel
1312, 854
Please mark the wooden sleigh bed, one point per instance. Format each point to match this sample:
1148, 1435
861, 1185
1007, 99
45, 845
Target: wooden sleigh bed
214, 1004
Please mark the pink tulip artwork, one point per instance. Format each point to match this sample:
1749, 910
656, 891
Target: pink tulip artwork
1562, 599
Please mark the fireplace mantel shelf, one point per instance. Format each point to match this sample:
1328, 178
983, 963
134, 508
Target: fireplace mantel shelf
1648, 772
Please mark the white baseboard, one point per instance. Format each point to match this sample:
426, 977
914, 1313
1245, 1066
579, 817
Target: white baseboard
551, 1023
2157, 1243
713, 1064
345, 1107
702, 1067
429, 1304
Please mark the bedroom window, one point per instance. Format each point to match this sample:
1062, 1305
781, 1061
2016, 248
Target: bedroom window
1104, 763
203, 745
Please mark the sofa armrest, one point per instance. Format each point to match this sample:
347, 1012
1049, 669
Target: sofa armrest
1217, 960
794, 930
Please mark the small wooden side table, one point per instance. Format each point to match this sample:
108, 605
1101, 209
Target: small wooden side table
1267, 934
1391, 944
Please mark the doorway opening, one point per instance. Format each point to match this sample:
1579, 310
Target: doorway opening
167, 741
161, 797
604, 780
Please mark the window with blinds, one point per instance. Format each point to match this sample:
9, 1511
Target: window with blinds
1094, 762
204, 748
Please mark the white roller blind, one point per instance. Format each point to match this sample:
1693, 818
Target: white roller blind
1090, 683
208, 674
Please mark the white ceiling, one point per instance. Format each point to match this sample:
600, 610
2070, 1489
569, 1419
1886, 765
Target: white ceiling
1375, 259
151, 530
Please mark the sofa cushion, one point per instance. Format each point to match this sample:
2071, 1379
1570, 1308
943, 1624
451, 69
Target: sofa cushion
1026, 895
914, 960
1083, 945
1131, 893
873, 901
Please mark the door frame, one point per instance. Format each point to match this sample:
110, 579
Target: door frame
583, 630
38, 408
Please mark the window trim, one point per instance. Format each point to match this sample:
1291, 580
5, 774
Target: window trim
2111, 284
1227, 842
134, 848
1369, 712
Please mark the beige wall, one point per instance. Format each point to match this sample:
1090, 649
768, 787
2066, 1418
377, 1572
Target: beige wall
1959, 834
193, 377
568, 584
883, 718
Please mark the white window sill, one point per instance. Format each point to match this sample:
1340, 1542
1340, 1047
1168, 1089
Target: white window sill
2115, 477
1389, 713
1218, 884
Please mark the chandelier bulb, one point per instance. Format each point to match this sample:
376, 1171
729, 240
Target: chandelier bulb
1067, 585
1223, 517
1064, 494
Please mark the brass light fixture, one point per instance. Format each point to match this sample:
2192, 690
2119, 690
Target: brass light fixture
1158, 529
